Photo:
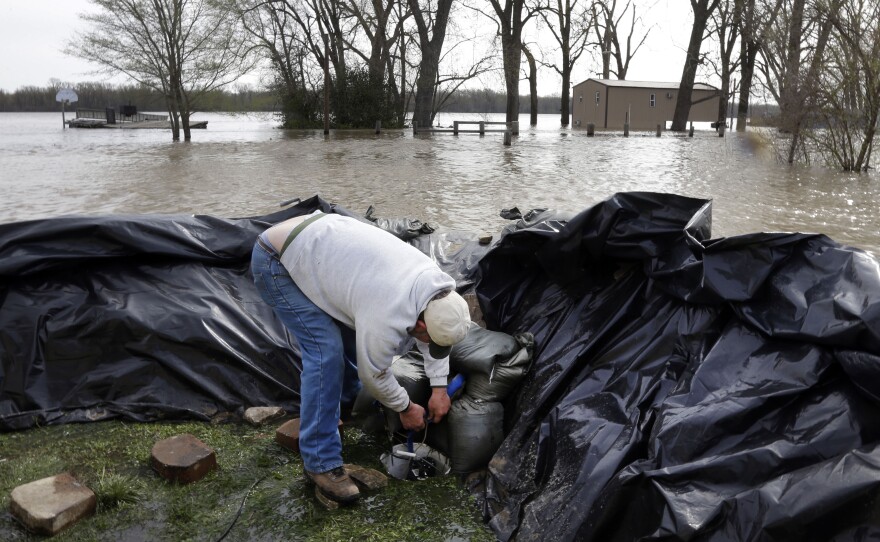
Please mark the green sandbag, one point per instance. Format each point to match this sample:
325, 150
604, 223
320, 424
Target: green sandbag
481, 349
505, 374
475, 433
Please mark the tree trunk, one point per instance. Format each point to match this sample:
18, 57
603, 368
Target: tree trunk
606, 52
426, 86
175, 125
184, 121
533, 86
747, 70
723, 103
429, 68
791, 81
702, 10
511, 46
565, 113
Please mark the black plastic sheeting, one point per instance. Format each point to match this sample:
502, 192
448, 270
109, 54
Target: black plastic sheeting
150, 317
683, 388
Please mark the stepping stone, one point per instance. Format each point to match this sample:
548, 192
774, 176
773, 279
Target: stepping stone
261, 415
326, 501
49, 505
183, 458
370, 479
288, 434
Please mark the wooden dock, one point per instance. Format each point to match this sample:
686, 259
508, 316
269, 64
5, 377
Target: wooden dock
512, 127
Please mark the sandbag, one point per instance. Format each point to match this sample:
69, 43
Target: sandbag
409, 370
475, 433
505, 375
480, 350
402, 228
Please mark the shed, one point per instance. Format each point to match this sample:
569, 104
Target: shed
605, 103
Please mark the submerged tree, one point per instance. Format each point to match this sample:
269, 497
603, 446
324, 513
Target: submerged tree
849, 93
511, 17
727, 20
793, 63
756, 20
431, 21
182, 48
702, 9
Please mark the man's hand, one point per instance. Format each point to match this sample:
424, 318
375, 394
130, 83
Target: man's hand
414, 418
439, 404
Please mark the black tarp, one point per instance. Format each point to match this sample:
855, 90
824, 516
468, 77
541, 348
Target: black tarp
148, 317
683, 388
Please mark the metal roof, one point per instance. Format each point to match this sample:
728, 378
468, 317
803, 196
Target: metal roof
647, 84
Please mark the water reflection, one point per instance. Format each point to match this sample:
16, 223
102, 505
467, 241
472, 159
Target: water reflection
242, 166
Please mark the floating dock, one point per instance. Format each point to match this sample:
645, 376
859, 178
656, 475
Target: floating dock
107, 118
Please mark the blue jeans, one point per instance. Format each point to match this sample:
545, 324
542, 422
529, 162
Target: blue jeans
329, 366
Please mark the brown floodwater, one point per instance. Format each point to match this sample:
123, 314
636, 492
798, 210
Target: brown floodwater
242, 165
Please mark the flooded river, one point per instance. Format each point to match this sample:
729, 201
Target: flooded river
245, 166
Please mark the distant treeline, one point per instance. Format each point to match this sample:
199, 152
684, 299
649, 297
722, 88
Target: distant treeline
102, 95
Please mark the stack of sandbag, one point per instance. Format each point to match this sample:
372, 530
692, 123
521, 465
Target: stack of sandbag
494, 364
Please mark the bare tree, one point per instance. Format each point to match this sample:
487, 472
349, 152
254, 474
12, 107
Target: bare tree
793, 62
757, 18
273, 32
702, 11
727, 20
382, 22
432, 33
511, 17
570, 26
533, 86
182, 48
606, 21
849, 93
449, 82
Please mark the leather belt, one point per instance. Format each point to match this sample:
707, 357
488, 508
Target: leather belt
269, 248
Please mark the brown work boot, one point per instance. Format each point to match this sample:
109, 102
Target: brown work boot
335, 484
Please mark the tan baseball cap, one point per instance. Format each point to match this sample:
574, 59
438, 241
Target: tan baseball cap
447, 320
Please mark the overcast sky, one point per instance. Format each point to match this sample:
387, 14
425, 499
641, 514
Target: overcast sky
33, 34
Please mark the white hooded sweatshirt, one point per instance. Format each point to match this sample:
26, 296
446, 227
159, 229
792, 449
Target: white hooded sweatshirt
374, 283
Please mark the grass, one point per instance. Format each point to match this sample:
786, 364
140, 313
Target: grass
113, 459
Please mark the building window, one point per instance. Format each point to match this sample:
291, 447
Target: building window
653, 100
580, 98
597, 97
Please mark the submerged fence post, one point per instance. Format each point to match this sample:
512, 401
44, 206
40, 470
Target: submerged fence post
506, 138
626, 129
721, 131
659, 130
591, 129
378, 126
691, 131
455, 127
516, 127
415, 127
482, 128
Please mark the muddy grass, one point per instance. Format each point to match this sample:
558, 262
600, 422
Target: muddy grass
113, 459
